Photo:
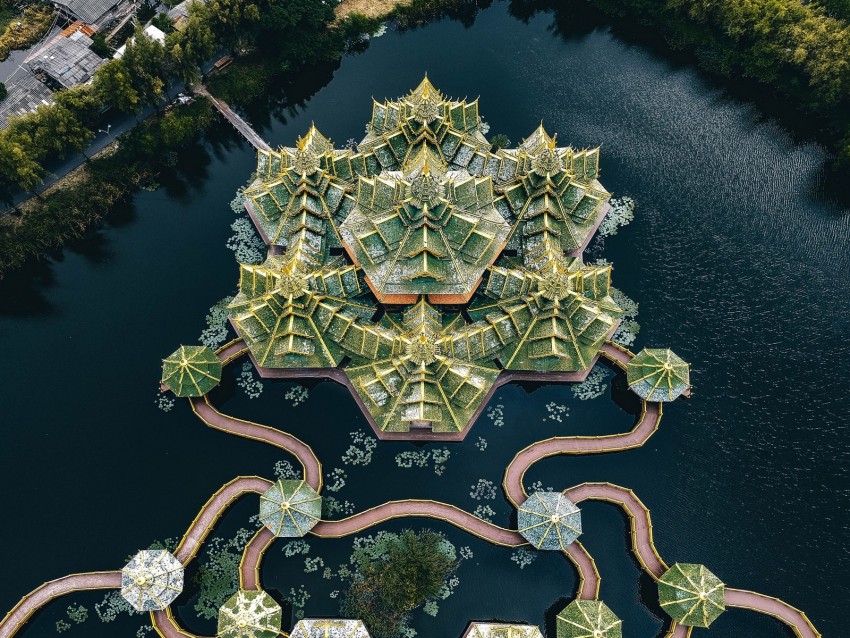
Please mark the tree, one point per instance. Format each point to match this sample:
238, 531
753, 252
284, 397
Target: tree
113, 85
100, 46
82, 100
3, 91
395, 575
228, 19
52, 130
144, 59
190, 48
297, 33
17, 166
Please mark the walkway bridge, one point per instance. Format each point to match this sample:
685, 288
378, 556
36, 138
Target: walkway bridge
238, 123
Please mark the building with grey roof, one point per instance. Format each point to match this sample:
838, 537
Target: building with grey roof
89, 11
26, 94
65, 61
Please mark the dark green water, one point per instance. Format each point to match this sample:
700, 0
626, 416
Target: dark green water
736, 259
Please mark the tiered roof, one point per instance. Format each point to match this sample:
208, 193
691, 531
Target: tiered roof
435, 374
329, 628
588, 619
501, 630
552, 314
421, 263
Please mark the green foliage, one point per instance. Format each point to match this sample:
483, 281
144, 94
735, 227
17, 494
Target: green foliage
53, 130
113, 85
70, 209
218, 575
100, 46
179, 127
418, 12
837, 8
499, 141
242, 82
162, 22
395, 574
25, 29
144, 60
18, 168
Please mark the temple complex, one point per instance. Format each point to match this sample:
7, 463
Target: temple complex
422, 268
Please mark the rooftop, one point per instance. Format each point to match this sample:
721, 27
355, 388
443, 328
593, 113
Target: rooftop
419, 264
26, 94
67, 60
89, 11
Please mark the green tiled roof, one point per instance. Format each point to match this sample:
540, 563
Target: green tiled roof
658, 374
554, 317
588, 619
290, 508
191, 371
549, 520
422, 263
249, 614
691, 594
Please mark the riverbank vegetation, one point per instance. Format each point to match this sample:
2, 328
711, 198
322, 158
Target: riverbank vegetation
18, 31
799, 51
292, 34
63, 213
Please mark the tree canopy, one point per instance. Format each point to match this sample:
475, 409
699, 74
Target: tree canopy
394, 575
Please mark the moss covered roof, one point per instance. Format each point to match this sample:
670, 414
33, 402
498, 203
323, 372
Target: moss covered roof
691, 594
422, 263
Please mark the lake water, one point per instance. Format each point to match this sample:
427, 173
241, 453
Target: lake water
737, 259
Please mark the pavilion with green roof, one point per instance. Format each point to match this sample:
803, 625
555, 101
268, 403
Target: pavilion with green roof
191, 371
423, 269
691, 594
657, 374
549, 520
290, 508
249, 614
588, 619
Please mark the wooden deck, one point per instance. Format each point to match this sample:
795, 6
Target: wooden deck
641, 535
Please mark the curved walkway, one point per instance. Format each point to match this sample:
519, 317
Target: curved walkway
252, 555
212, 511
639, 516
255, 431
165, 624
421, 508
791, 616
646, 426
39, 597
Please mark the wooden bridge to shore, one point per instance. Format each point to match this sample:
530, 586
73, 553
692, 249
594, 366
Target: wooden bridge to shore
243, 128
